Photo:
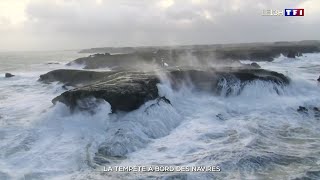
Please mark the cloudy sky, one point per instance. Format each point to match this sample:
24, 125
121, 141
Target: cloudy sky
76, 24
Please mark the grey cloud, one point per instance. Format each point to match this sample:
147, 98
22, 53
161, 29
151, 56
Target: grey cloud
82, 24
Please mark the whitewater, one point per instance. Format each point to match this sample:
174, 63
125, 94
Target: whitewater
253, 134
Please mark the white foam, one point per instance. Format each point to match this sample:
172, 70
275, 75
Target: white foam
197, 129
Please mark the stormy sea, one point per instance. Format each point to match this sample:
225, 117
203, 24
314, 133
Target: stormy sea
250, 127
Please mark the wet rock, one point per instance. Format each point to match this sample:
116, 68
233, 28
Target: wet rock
50, 63
149, 60
66, 86
128, 90
311, 110
302, 109
8, 75
116, 61
212, 80
203, 54
164, 99
70, 77
318, 79
124, 91
292, 54
220, 116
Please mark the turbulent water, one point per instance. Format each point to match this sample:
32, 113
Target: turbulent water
257, 134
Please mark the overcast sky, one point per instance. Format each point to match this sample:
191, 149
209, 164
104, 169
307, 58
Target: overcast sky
76, 24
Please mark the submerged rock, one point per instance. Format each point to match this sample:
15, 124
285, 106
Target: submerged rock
128, 90
8, 75
220, 116
311, 110
302, 109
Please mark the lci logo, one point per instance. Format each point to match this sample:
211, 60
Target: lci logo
286, 12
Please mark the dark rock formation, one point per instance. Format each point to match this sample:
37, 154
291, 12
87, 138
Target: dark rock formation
73, 77
124, 91
310, 110
292, 54
134, 58
318, 79
52, 63
127, 91
210, 79
266, 52
117, 61
127, 50
302, 109
220, 116
8, 75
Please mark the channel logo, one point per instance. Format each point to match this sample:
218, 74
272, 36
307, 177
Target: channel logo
294, 12
286, 12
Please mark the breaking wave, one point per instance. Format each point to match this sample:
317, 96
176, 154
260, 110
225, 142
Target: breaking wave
252, 131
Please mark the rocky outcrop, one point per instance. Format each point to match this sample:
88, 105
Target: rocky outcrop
73, 77
117, 61
144, 57
50, 63
302, 109
318, 79
293, 54
8, 75
311, 110
125, 91
128, 90
267, 52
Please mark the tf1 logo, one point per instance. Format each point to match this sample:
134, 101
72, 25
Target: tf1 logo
294, 12
286, 12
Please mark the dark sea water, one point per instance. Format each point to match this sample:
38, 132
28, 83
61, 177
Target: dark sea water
255, 135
